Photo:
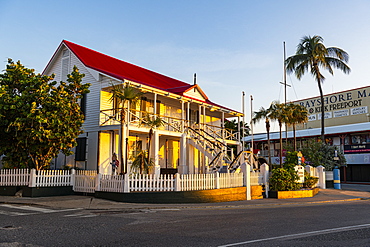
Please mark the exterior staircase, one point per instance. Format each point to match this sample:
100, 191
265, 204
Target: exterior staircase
216, 151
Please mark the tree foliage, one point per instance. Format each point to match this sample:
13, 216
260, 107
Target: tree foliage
278, 112
232, 125
319, 153
312, 56
258, 116
297, 114
38, 116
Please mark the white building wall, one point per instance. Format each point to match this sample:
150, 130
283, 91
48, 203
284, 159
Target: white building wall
92, 98
91, 124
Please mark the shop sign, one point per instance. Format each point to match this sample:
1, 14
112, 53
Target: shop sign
357, 148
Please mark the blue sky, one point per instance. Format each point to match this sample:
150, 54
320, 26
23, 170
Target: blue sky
232, 45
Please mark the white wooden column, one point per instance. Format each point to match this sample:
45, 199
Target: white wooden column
188, 117
204, 159
155, 104
204, 116
182, 116
157, 167
223, 125
126, 135
183, 165
199, 116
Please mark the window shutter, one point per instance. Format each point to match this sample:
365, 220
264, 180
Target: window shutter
80, 153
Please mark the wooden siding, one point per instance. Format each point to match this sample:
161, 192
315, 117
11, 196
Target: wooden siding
92, 98
194, 93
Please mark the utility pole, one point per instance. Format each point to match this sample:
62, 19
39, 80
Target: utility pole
243, 122
285, 93
252, 123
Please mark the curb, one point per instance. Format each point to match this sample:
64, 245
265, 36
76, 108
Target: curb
199, 206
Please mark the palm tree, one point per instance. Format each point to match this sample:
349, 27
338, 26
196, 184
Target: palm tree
297, 114
264, 114
311, 55
278, 112
152, 123
141, 163
124, 96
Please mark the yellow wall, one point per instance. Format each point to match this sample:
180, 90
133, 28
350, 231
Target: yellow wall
104, 153
105, 103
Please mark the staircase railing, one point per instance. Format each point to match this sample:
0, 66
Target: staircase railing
218, 148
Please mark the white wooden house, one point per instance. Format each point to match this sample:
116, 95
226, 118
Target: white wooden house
192, 140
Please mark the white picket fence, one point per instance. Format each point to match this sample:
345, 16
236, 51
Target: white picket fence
110, 183
166, 182
90, 181
85, 181
150, 182
14, 177
49, 178
257, 178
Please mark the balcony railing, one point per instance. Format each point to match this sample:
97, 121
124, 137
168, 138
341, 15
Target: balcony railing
136, 118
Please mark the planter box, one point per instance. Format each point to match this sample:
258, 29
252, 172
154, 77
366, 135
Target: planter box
256, 192
47, 191
293, 194
8, 190
195, 196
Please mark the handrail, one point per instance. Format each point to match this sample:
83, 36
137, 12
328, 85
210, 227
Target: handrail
207, 138
216, 157
238, 157
223, 144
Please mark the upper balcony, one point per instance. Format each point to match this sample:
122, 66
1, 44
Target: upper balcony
136, 118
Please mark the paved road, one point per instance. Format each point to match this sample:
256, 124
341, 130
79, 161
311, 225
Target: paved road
336, 223
332, 218
356, 187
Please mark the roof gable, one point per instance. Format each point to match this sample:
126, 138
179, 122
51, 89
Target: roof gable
195, 92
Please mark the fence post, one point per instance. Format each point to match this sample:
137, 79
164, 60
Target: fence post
264, 170
98, 179
32, 182
126, 184
217, 177
246, 169
73, 174
177, 182
309, 170
322, 180
248, 181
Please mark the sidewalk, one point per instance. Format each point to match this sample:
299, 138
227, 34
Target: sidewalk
349, 192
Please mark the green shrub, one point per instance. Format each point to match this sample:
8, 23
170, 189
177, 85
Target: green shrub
284, 179
291, 157
309, 182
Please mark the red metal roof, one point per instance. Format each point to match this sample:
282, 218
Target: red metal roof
123, 70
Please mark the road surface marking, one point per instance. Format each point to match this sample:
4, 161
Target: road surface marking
14, 213
33, 210
304, 234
